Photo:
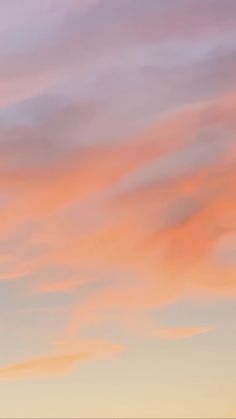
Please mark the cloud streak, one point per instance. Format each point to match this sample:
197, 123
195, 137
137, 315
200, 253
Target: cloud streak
61, 363
176, 333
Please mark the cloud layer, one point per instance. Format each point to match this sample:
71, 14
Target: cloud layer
117, 164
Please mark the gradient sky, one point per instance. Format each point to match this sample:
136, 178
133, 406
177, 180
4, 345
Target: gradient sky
117, 208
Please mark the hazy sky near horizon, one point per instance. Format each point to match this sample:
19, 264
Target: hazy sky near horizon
117, 208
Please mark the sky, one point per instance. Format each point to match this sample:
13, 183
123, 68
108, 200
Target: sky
117, 208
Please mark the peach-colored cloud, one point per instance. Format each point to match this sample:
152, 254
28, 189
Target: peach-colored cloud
61, 363
175, 333
42, 366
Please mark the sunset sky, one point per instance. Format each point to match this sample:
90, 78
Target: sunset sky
117, 208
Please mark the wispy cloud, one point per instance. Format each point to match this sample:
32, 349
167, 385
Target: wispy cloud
40, 367
60, 363
175, 333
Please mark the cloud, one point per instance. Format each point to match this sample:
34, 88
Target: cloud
41, 367
61, 363
70, 42
176, 333
117, 158
156, 189
190, 210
